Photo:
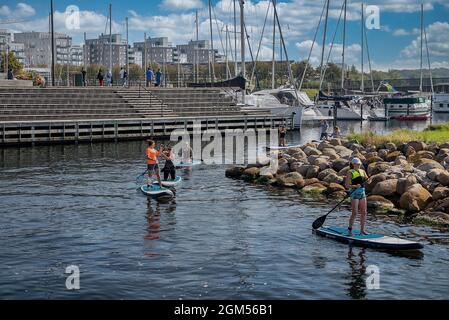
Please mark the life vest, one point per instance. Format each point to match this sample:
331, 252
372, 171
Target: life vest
152, 155
356, 177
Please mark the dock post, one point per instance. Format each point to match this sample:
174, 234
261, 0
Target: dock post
77, 132
116, 131
32, 136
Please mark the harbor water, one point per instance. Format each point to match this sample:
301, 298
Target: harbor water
217, 239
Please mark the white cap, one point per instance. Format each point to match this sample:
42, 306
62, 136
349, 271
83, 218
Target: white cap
356, 161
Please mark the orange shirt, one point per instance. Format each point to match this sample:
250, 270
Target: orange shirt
152, 155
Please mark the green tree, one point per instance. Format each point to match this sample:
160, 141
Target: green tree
13, 63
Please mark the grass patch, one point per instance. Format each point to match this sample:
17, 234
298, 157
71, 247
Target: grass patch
435, 133
311, 93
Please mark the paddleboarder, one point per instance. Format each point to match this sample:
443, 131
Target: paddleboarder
152, 163
355, 179
282, 133
169, 167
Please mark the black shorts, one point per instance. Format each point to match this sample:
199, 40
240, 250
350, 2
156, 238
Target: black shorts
152, 167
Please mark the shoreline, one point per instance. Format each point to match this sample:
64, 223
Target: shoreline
408, 180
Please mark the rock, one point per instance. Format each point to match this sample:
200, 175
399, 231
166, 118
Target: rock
373, 159
373, 180
311, 151
440, 193
379, 202
442, 154
339, 164
434, 173
417, 145
325, 172
234, 172
392, 156
322, 163
378, 167
390, 146
335, 142
343, 151
300, 156
401, 161
303, 169
252, 173
263, 161
335, 187
443, 178
382, 153
409, 151
428, 164
312, 172
333, 178
308, 182
268, 172
339, 195
438, 218
424, 154
314, 188
292, 179
324, 144
292, 151
331, 153
343, 172
385, 188
415, 199
283, 166
404, 184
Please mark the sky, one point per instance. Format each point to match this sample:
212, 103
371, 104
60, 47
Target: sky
395, 44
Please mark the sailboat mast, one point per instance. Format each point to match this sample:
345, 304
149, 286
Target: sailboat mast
273, 63
110, 37
242, 36
421, 49
362, 86
344, 47
212, 52
324, 44
235, 41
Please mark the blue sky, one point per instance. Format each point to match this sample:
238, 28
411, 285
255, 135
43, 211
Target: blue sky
394, 45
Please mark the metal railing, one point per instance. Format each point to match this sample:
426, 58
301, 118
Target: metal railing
150, 97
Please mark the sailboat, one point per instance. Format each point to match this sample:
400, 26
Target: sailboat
414, 106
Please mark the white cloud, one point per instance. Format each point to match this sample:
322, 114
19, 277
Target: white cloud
181, 4
438, 42
352, 53
403, 32
22, 10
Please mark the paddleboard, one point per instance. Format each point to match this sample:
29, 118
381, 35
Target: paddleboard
156, 191
373, 240
169, 183
188, 164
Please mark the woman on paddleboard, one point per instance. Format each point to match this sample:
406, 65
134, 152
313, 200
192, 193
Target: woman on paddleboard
355, 180
169, 167
152, 163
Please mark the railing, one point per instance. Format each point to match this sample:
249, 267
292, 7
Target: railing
150, 97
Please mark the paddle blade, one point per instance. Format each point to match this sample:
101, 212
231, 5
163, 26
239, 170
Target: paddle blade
319, 222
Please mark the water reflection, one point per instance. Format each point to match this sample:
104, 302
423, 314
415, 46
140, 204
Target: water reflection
356, 285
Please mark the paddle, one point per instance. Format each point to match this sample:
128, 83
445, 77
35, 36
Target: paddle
139, 178
320, 221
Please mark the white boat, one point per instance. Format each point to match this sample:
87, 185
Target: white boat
441, 98
413, 107
280, 102
344, 112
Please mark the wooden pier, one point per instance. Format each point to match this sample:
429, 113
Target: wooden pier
61, 115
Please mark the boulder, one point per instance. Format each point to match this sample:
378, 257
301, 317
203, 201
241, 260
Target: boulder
335, 142
303, 169
325, 172
374, 180
415, 199
339, 195
424, 154
428, 164
343, 151
392, 156
312, 172
268, 172
343, 172
335, 187
378, 167
409, 151
373, 159
390, 146
440, 193
322, 163
442, 154
401, 161
324, 144
331, 153
379, 202
234, 172
339, 164
311, 181
417, 145
382, 153
311, 151
405, 183
333, 178
439, 218
314, 188
292, 179
252, 173
385, 188
443, 178
434, 173
292, 151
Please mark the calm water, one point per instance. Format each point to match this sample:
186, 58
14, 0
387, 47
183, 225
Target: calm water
219, 238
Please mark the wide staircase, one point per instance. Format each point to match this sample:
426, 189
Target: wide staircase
30, 104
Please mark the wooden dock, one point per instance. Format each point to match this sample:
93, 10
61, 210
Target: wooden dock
70, 115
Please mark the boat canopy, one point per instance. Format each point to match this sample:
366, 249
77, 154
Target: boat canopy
405, 100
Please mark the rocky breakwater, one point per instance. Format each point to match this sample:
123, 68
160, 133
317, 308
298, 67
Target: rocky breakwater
410, 179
